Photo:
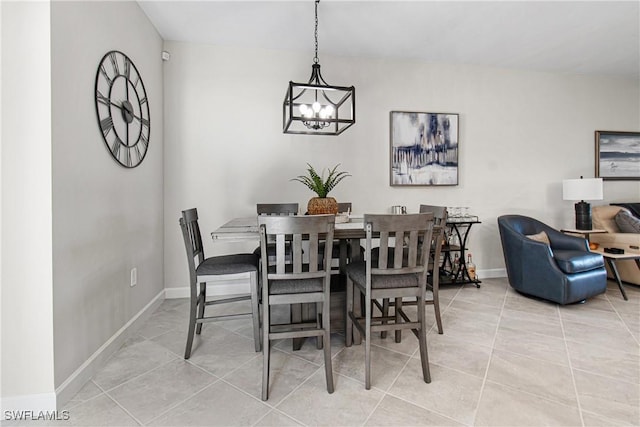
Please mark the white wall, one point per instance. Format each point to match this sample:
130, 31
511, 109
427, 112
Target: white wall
27, 321
521, 134
106, 219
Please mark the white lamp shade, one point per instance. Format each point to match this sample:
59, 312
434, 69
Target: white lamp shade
582, 189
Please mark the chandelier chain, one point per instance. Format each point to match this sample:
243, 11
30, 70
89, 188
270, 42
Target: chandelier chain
315, 34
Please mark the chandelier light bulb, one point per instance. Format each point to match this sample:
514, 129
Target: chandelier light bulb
329, 110
316, 107
303, 109
323, 113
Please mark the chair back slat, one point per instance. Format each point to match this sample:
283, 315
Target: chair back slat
277, 208
398, 248
280, 253
413, 248
384, 249
314, 242
297, 253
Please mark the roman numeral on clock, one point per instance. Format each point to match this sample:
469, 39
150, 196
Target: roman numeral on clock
106, 125
114, 63
102, 99
104, 73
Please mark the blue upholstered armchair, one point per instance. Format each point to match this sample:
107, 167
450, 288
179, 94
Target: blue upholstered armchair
563, 271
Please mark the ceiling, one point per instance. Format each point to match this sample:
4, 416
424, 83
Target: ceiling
587, 37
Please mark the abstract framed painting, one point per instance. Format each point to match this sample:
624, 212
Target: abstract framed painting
424, 149
617, 155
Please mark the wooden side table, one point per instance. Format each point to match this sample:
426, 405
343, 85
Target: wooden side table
585, 233
611, 261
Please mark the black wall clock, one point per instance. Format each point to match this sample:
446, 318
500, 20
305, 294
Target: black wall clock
123, 109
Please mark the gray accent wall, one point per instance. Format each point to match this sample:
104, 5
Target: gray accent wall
106, 219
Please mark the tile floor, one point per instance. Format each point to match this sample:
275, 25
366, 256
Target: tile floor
504, 360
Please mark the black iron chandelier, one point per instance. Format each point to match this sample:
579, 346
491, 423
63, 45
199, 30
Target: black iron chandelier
317, 108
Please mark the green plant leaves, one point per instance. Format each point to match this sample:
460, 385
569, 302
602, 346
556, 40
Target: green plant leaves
318, 184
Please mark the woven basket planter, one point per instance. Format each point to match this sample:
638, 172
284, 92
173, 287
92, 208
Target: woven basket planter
322, 205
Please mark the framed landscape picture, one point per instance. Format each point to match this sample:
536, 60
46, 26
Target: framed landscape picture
424, 149
617, 155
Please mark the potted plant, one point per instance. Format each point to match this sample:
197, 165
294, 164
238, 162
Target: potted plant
321, 186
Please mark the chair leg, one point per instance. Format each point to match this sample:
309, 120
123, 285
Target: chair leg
385, 313
326, 326
255, 309
319, 323
192, 319
266, 346
296, 317
367, 345
436, 309
357, 310
422, 339
348, 329
203, 294
398, 308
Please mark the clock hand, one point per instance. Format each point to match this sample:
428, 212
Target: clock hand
120, 106
112, 103
137, 118
128, 112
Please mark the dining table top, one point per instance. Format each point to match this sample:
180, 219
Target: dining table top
246, 228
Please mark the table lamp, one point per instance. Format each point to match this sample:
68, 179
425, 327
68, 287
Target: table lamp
582, 189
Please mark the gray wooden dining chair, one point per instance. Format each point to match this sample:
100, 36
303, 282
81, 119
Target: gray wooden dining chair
297, 282
203, 270
440, 220
400, 271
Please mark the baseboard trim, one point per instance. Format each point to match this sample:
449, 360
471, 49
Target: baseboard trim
492, 273
72, 385
35, 403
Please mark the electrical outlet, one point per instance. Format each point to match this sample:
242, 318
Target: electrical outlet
134, 276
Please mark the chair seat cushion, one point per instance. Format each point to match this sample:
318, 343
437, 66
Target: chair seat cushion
357, 272
294, 286
228, 264
577, 261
